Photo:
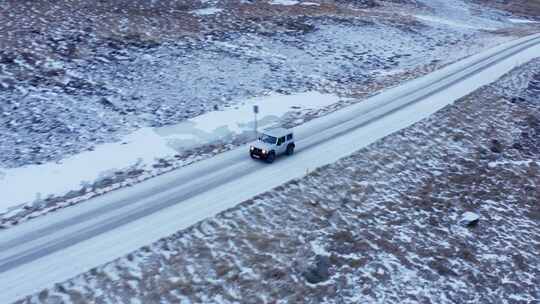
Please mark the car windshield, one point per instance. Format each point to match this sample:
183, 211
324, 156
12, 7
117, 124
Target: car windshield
268, 139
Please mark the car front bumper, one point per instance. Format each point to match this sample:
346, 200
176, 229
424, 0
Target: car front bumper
257, 153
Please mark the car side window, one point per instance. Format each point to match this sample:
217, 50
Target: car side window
281, 140
289, 137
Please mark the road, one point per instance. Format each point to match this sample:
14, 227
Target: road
52, 248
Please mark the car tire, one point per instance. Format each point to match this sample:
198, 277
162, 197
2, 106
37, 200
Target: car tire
290, 150
271, 157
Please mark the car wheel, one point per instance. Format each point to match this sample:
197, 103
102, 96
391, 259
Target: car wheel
271, 157
290, 150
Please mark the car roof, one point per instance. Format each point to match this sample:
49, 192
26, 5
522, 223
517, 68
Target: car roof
277, 132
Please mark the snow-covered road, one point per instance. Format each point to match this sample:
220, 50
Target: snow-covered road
53, 248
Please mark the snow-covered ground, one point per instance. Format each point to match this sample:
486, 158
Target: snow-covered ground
83, 107
146, 145
515, 20
382, 225
56, 247
111, 100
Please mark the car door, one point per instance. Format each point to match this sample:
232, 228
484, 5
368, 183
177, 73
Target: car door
281, 146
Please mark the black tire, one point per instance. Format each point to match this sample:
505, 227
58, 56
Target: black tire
290, 150
271, 157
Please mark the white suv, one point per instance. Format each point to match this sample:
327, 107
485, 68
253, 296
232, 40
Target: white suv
271, 143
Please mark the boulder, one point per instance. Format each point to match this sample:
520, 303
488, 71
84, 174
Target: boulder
7, 58
319, 271
496, 146
469, 219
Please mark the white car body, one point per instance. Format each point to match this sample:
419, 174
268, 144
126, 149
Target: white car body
273, 142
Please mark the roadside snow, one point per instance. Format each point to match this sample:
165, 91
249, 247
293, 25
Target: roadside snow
207, 11
146, 145
284, 2
515, 20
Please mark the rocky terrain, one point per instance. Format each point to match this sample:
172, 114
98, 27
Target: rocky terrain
525, 8
75, 74
383, 225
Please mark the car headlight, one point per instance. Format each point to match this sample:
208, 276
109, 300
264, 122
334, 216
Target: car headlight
264, 151
251, 148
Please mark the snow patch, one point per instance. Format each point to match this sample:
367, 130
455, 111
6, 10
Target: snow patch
516, 20
310, 4
284, 2
207, 11
143, 147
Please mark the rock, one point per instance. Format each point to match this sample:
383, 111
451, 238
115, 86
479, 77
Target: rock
106, 182
517, 99
114, 45
300, 26
319, 272
496, 146
469, 219
7, 58
54, 72
107, 103
360, 3
442, 267
29, 58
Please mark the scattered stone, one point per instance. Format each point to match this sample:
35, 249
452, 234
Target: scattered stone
7, 58
108, 104
103, 183
360, 3
54, 73
442, 267
469, 219
319, 272
496, 146
162, 163
517, 99
299, 26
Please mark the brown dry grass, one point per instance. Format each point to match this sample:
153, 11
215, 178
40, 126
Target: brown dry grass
529, 8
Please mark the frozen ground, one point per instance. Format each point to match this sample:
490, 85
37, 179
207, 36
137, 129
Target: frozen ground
379, 226
55, 248
88, 85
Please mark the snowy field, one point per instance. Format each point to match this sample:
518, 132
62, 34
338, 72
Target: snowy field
382, 225
131, 105
55, 248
